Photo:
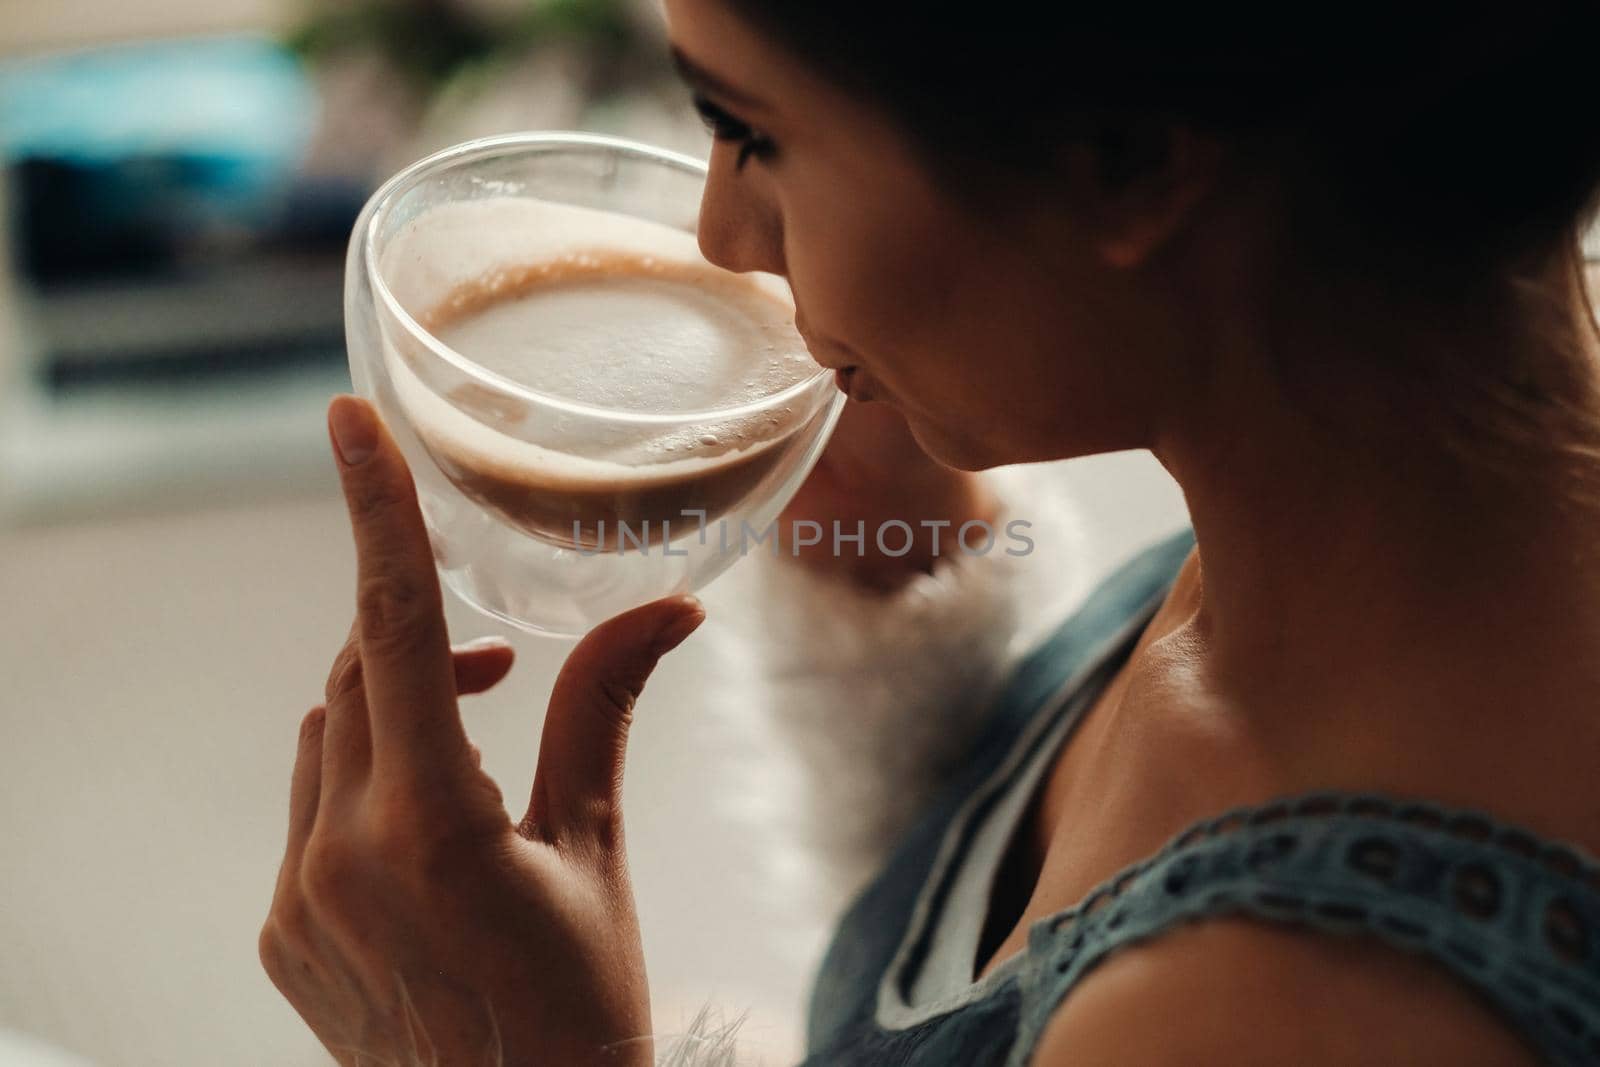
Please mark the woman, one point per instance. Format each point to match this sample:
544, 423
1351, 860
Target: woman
1328, 275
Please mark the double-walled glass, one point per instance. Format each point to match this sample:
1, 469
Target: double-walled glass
513, 533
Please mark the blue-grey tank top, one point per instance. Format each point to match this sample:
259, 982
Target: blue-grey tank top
1514, 915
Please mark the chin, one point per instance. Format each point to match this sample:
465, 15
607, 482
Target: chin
957, 452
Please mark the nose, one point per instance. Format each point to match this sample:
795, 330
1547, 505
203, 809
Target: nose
740, 227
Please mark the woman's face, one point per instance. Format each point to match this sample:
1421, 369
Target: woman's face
1001, 336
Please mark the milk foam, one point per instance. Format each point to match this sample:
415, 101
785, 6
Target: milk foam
600, 309
639, 336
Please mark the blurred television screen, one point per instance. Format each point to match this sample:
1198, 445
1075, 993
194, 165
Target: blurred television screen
161, 219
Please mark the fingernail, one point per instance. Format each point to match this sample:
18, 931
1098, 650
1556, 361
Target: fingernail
682, 625
354, 434
477, 644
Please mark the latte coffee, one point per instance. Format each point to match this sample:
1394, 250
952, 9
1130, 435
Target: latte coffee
586, 356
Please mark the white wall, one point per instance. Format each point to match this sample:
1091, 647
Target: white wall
67, 23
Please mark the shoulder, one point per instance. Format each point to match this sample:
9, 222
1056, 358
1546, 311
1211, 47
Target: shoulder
1243, 992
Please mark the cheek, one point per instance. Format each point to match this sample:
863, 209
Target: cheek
955, 325
885, 284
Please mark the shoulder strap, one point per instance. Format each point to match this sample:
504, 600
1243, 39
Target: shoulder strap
1514, 915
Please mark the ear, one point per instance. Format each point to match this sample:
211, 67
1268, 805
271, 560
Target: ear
1141, 181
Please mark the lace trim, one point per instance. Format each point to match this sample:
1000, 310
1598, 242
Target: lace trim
1513, 914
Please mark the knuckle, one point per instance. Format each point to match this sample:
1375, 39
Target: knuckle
329, 874
346, 673
291, 924
618, 697
272, 952
393, 606
311, 726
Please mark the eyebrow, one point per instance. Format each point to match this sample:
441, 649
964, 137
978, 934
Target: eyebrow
700, 76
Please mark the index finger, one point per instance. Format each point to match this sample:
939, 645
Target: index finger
405, 651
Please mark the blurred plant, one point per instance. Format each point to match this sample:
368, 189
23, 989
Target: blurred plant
400, 78
434, 42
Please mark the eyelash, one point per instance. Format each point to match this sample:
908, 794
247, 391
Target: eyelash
724, 127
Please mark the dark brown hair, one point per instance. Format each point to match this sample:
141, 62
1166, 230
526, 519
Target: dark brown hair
1434, 151
1457, 129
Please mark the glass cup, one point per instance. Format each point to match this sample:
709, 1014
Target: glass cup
1591, 261
541, 510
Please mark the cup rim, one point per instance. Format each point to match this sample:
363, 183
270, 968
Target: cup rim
457, 154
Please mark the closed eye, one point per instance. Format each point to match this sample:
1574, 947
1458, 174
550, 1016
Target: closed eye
724, 127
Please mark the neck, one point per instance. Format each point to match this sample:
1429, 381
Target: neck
1373, 550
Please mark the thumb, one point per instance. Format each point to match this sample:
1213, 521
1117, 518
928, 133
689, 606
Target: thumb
577, 788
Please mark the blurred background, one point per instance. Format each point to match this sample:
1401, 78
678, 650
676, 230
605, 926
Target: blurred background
179, 180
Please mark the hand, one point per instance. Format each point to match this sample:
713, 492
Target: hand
414, 922
873, 471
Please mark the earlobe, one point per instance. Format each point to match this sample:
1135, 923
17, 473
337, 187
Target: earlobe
1143, 213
